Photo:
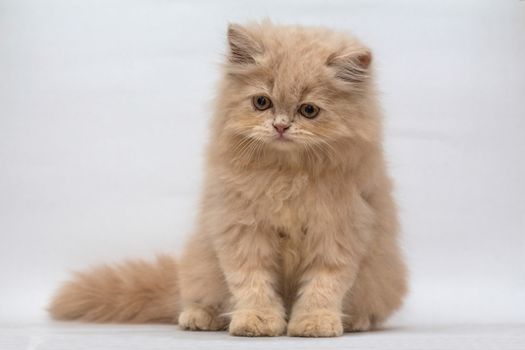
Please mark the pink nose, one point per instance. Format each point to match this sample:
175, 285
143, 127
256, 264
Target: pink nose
281, 128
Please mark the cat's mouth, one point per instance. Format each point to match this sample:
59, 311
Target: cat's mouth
282, 138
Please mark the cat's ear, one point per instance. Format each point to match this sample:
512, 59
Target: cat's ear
352, 66
243, 46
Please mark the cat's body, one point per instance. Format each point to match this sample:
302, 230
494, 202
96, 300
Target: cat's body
297, 229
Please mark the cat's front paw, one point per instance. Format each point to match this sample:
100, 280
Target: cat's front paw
257, 323
200, 319
321, 323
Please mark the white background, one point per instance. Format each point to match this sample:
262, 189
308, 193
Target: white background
104, 108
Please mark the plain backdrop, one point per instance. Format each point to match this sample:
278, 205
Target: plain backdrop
104, 107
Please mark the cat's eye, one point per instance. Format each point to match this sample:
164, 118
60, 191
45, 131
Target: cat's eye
261, 102
309, 111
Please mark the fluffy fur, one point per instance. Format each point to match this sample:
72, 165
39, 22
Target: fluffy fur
296, 234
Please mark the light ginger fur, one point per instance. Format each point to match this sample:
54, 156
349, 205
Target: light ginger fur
297, 237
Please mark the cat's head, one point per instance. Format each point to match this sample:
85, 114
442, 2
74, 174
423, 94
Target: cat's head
297, 91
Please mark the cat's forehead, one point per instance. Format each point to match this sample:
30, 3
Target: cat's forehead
290, 81
289, 74
295, 59
291, 63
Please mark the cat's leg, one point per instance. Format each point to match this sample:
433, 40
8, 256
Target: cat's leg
379, 287
204, 294
333, 246
317, 310
248, 259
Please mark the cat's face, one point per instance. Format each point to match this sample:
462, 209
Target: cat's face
292, 89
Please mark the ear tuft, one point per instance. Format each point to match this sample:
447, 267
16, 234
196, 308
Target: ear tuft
352, 67
243, 47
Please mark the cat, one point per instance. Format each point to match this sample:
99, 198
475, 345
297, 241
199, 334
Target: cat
297, 231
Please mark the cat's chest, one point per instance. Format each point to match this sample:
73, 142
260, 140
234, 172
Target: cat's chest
285, 203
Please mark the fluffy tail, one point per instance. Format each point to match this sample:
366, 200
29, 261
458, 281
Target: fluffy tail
134, 292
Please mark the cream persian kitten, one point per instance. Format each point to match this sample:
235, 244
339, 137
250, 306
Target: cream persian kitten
297, 231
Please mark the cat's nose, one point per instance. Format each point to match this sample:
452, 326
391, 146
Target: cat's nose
281, 127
